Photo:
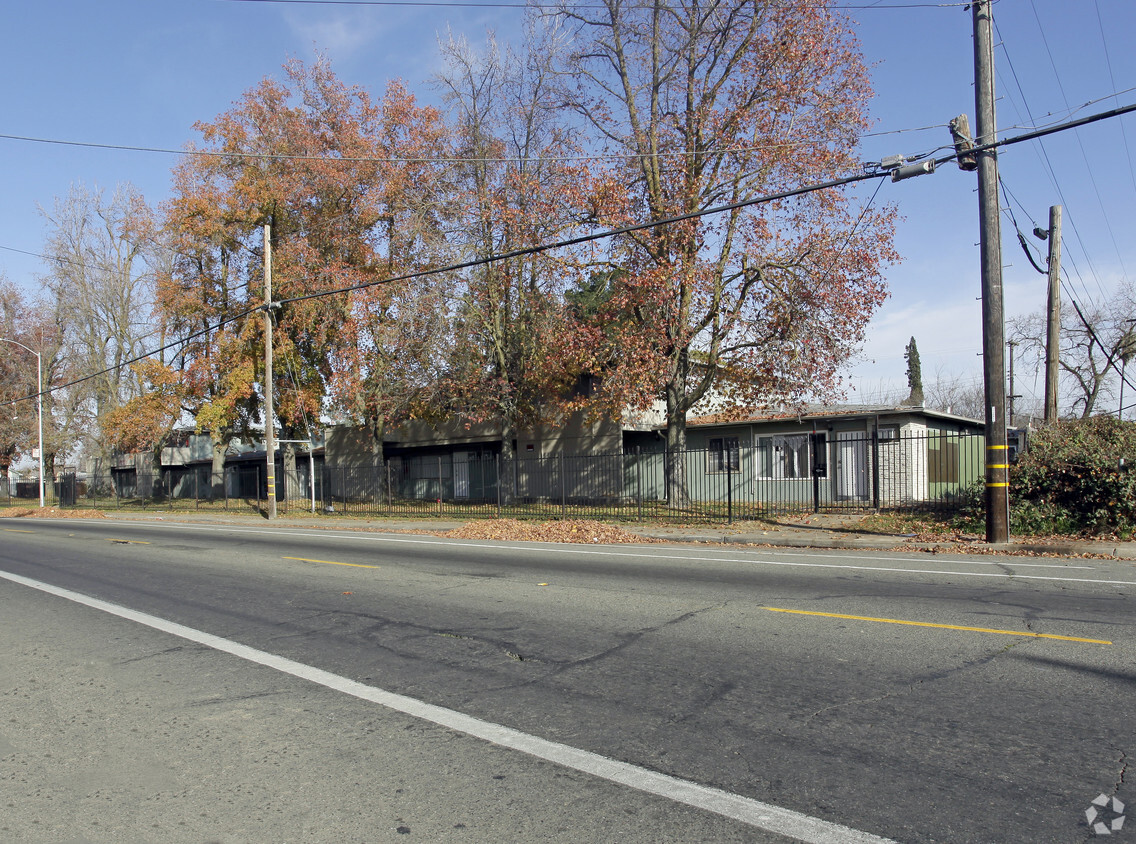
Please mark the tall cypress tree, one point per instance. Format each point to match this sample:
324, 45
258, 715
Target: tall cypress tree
914, 375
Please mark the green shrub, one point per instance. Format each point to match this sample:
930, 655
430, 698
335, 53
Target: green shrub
1069, 481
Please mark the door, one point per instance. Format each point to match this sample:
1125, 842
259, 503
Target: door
461, 474
851, 465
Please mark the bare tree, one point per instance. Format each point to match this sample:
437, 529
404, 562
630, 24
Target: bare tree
103, 251
513, 188
962, 395
1092, 343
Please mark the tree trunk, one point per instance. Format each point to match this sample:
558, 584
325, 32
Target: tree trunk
291, 474
217, 469
378, 428
677, 495
155, 471
508, 481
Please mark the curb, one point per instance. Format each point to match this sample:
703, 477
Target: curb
792, 538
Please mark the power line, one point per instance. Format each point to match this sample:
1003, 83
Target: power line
431, 3
1088, 166
1033, 124
1047, 165
575, 241
252, 156
1112, 78
477, 262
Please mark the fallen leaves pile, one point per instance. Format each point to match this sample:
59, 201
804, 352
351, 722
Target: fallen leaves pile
567, 530
50, 513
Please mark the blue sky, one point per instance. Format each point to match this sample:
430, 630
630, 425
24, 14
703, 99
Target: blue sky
139, 73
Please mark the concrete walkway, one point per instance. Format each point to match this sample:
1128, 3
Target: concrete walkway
837, 531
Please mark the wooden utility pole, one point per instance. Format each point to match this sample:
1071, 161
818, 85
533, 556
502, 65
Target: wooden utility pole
269, 415
993, 330
1053, 309
1127, 352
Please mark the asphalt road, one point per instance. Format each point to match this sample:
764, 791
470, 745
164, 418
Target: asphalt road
752, 680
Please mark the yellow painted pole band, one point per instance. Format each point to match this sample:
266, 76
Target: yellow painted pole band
997, 465
989, 447
990, 485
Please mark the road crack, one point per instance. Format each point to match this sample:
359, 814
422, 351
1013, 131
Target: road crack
918, 682
629, 639
1120, 782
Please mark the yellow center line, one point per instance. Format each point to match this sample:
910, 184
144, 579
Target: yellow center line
1028, 633
17, 530
330, 562
126, 541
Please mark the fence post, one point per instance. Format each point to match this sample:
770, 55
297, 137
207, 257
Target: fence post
638, 486
729, 487
876, 466
816, 485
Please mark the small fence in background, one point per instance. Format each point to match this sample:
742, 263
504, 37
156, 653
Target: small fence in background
816, 472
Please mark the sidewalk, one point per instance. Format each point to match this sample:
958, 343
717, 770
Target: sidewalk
825, 531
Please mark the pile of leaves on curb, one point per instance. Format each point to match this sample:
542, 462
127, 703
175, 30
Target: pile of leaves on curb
50, 513
972, 548
566, 530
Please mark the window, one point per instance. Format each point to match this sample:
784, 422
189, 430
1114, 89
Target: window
724, 455
178, 439
786, 456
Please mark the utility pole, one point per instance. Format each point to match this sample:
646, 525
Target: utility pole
269, 423
1053, 333
993, 331
1127, 352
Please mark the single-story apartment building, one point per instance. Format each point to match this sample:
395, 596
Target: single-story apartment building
817, 456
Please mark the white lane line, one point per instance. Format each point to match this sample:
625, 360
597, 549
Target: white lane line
551, 548
744, 809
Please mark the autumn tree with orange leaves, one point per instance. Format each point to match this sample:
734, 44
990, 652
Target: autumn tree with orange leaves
34, 324
711, 104
18, 379
145, 422
314, 159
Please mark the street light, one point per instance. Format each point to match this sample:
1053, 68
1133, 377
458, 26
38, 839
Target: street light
39, 407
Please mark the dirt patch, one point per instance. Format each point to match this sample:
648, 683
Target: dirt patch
49, 513
567, 530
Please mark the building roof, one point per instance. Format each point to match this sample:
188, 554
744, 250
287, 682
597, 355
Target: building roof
813, 412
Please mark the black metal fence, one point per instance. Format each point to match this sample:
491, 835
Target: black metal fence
777, 474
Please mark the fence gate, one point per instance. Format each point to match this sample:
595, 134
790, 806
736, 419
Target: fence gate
851, 466
461, 474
